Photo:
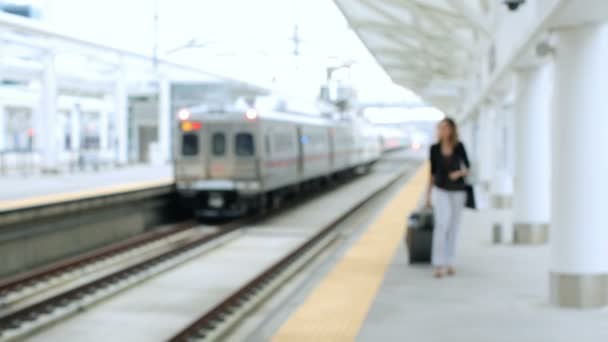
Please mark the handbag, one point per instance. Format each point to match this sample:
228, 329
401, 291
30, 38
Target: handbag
470, 195
470, 199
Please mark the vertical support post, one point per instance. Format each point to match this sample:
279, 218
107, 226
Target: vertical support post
579, 257
121, 110
487, 153
47, 143
75, 128
531, 200
2, 128
501, 187
75, 135
103, 130
501, 182
164, 120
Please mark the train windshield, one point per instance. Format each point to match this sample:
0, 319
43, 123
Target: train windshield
218, 144
190, 144
244, 145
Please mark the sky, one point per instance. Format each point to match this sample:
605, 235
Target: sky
251, 39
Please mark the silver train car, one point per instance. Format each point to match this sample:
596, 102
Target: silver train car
232, 162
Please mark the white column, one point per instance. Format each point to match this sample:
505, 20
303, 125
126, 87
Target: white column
164, 120
502, 183
501, 187
103, 130
487, 145
531, 200
2, 128
121, 117
579, 224
75, 138
75, 128
46, 132
3, 139
475, 146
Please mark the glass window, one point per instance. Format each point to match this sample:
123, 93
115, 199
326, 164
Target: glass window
218, 142
190, 144
244, 144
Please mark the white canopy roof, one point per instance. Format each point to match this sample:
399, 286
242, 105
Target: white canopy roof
428, 46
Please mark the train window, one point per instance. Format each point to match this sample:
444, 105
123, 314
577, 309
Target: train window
244, 144
218, 144
189, 144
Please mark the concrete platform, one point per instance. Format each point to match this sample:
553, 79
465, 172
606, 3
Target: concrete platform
20, 191
500, 293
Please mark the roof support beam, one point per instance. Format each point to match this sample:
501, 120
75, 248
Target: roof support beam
426, 6
475, 19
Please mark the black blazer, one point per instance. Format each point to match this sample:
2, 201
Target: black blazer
442, 166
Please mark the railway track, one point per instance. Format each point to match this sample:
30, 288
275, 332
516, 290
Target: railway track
46, 295
35, 278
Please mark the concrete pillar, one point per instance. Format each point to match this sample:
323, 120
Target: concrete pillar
164, 120
46, 140
579, 224
121, 117
3, 139
103, 130
531, 200
501, 187
2, 128
75, 128
475, 148
487, 146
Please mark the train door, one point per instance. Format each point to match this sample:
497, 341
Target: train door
300, 151
219, 157
246, 161
190, 156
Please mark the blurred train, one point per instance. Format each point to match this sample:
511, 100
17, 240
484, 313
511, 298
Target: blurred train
237, 160
394, 138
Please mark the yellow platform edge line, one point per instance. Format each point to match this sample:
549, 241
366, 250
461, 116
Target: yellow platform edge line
82, 194
338, 306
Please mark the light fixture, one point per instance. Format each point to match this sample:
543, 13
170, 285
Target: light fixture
183, 114
251, 114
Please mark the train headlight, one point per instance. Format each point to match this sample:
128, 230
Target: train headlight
216, 200
183, 114
251, 114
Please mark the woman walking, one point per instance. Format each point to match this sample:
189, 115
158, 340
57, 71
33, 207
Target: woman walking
446, 193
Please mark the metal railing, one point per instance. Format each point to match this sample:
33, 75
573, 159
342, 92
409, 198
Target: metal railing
29, 162
21, 162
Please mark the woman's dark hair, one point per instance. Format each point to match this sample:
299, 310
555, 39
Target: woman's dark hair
452, 124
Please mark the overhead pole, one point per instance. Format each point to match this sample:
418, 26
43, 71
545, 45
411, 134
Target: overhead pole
163, 91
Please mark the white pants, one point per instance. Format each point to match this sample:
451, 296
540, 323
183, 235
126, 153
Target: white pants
447, 210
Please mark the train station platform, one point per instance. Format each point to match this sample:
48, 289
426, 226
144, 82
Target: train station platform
498, 294
20, 192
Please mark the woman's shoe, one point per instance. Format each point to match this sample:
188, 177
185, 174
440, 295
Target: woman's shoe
451, 271
438, 273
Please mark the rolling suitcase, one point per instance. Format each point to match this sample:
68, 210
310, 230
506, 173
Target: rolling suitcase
419, 236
